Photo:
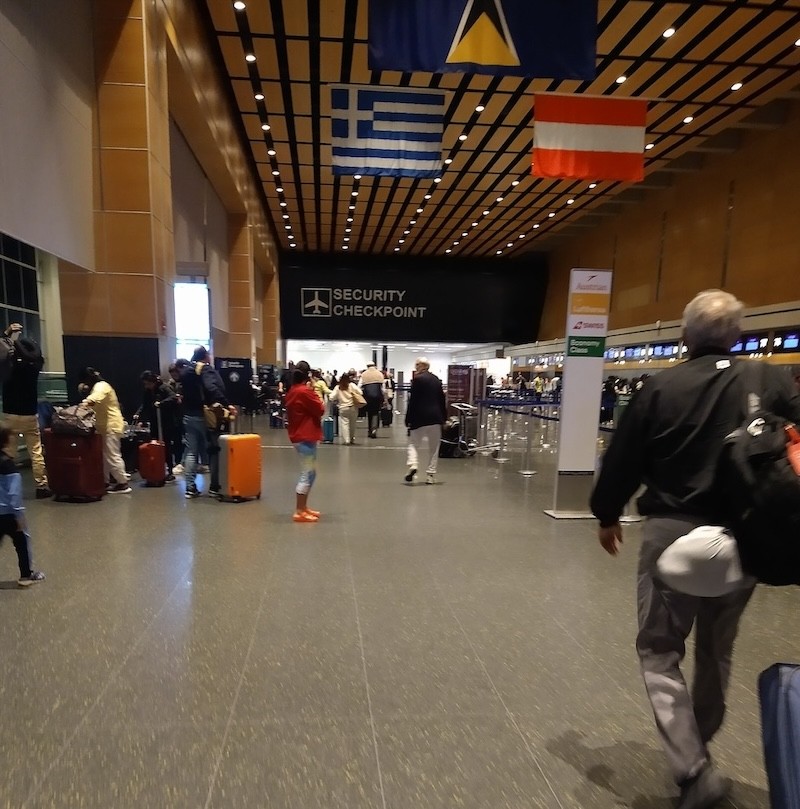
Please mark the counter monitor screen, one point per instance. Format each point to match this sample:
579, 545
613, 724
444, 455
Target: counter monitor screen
791, 342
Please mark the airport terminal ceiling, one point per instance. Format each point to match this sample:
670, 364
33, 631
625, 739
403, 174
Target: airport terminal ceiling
711, 71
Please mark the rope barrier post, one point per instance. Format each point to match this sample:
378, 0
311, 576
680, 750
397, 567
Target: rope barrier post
501, 457
527, 472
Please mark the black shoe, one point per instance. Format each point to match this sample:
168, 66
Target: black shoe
191, 492
170, 478
214, 491
42, 493
705, 790
373, 435
410, 476
119, 488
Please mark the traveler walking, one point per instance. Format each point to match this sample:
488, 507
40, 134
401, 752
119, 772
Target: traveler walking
670, 440
304, 411
343, 396
372, 388
425, 415
21, 402
103, 398
12, 512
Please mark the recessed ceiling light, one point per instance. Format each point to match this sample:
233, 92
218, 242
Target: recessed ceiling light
284, 204
437, 179
668, 33
249, 57
535, 226
287, 227
462, 138
427, 196
348, 230
621, 79
465, 233
349, 218
279, 190
499, 199
688, 119
448, 250
271, 152
475, 224
346, 239
551, 214
351, 207
515, 183
345, 247
406, 232
649, 147
292, 244
448, 161
737, 86
486, 213
480, 108
592, 185
413, 222
455, 244
396, 249
510, 244
356, 176
521, 235
276, 173
401, 241
239, 5
265, 127
290, 236
797, 43
499, 253
286, 216
354, 194
419, 210
570, 201
259, 96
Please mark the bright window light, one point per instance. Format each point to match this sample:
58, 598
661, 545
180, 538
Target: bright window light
192, 319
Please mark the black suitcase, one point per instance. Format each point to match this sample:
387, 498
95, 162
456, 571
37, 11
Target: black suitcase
387, 414
448, 448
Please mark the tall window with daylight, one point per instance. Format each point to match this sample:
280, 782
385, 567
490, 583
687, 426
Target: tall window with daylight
192, 319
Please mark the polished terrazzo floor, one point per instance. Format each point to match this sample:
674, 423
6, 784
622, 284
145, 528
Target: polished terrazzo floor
422, 646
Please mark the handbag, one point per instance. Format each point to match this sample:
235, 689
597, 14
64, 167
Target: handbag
216, 416
358, 398
77, 419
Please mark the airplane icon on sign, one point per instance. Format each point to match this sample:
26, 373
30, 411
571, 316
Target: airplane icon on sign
316, 302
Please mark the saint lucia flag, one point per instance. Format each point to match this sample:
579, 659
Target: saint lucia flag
535, 38
386, 131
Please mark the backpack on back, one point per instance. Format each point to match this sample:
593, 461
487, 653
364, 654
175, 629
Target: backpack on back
759, 479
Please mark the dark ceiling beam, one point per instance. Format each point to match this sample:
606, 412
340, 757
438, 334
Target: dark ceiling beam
726, 142
772, 116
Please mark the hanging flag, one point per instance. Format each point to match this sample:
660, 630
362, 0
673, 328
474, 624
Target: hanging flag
589, 138
534, 38
387, 131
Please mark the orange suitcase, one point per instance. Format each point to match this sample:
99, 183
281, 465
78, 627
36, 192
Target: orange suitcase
240, 467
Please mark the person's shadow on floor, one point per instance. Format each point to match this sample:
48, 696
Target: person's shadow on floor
623, 769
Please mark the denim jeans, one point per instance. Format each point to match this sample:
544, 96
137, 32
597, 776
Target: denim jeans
195, 436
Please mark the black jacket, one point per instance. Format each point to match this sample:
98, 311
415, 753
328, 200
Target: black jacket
20, 390
168, 405
426, 403
205, 388
671, 436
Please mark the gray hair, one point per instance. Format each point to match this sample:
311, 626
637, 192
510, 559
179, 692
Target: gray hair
423, 361
712, 319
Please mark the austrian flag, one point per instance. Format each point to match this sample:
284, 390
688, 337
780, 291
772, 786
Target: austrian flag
589, 138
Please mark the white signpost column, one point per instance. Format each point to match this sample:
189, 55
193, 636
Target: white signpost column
587, 327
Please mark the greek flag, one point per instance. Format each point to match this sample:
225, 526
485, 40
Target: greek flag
386, 131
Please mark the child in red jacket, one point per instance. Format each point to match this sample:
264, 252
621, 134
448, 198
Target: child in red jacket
304, 411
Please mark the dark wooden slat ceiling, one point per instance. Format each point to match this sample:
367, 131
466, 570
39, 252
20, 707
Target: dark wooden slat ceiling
486, 199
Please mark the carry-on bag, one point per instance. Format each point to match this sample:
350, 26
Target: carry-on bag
387, 415
74, 465
239, 465
779, 694
451, 433
153, 459
77, 419
327, 430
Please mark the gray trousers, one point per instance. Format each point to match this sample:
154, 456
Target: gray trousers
686, 723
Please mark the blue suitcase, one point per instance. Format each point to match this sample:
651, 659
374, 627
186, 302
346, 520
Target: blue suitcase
779, 694
327, 430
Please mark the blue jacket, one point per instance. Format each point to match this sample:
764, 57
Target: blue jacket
10, 487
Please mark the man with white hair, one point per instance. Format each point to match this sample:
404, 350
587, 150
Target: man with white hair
425, 414
670, 440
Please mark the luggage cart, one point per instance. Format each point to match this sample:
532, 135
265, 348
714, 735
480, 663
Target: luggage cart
465, 443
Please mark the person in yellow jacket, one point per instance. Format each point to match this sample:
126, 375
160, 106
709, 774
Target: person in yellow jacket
103, 399
319, 386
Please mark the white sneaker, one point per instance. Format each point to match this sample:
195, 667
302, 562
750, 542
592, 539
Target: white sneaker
430, 479
177, 470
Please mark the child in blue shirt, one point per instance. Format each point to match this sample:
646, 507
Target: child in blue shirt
12, 512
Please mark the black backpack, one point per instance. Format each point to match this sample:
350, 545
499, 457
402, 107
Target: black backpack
761, 491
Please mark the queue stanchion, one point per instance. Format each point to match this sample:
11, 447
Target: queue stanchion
527, 472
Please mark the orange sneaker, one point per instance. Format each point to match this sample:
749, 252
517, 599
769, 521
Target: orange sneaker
304, 516
313, 513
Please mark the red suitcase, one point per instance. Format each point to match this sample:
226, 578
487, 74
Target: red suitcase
74, 465
153, 459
